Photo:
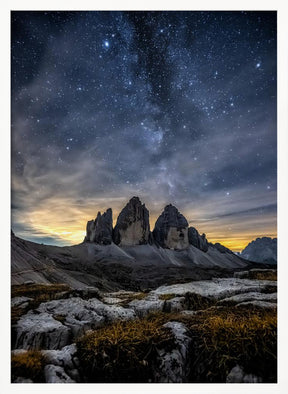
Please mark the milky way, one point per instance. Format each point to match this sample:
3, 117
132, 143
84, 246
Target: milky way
175, 107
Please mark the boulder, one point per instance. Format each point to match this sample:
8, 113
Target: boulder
174, 364
40, 331
171, 229
132, 227
217, 289
56, 374
237, 375
197, 240
100, 229
55, 323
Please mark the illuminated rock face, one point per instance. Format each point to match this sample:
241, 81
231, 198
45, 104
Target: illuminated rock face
100, 229
171, 229
132, 227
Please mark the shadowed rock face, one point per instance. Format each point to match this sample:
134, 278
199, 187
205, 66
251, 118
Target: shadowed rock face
100, 229
197, 240
171, 229
261, 250
132, 227
221, 248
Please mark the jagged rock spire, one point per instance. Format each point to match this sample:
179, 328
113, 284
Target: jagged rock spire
197, 240
132, 227
100, 229
171, 229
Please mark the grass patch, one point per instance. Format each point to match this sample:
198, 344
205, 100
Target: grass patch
192, 301
128, 298
16, 313
124, 351
60, 318
167, 297
224, 337
39, 293
28, 365
195, 302
263, 275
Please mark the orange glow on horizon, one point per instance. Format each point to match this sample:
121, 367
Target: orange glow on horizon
76, 231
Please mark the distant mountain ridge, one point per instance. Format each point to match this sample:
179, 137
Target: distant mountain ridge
128, 256
133, 228
261, 250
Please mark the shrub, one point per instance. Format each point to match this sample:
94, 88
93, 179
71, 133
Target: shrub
28, 365
167, 297
264, 275
224, 337
124, 351
40, 291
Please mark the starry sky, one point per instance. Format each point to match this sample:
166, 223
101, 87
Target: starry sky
174, 107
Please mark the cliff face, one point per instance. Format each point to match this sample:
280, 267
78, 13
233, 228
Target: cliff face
261, 250
197, 240
132, 227
171, 229
100, 229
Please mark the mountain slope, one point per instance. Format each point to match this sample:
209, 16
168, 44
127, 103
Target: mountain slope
111, 267
261, 250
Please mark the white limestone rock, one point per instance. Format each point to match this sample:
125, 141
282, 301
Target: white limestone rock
174, 365
237, 375
259, 304
82, 315
217, 288
66, 357
143, 307
41, 331
56, 374
175, 304
250, 296
20, 302
20, 379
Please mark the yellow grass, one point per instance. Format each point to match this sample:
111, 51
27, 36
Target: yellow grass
123, 351
28, 365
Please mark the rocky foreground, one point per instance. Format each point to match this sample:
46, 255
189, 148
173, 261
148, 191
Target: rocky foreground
220, 330
133, 305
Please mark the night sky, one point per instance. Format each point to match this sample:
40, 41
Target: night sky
174, 107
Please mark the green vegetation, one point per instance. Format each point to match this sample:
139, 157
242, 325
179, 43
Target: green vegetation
28, 365
124, 351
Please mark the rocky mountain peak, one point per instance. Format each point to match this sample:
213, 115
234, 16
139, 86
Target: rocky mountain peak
261, 250
171, 229
197, 240
132, 227
100, 229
